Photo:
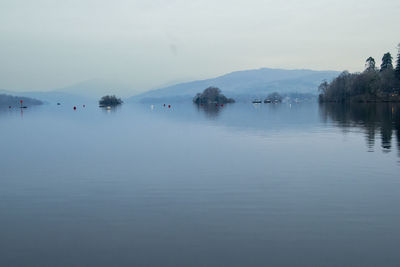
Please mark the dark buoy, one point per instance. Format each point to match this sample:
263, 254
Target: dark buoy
216, 105
169, 106
74, 108
222, 105
9, 106
84, 106
164, 105
58, 104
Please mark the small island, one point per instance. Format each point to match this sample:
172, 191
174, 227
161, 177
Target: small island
372, 85
110, 101
273, 98
212, 95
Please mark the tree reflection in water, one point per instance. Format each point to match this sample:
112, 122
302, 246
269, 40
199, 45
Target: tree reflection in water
211, 110
373, 118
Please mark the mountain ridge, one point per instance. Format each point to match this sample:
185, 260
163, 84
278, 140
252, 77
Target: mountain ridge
244, 84
94, 88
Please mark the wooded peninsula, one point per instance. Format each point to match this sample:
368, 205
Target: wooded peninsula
372, 85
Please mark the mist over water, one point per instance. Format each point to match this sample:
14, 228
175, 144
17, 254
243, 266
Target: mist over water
239, 185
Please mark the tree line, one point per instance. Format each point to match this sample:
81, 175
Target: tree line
372, 85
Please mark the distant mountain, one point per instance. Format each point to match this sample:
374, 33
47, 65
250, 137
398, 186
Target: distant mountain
244, 85
86, 91
10, 100
94, 88
59, 97
51, 97
83, 92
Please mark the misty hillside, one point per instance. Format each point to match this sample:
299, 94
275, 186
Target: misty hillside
86, 91
94, 88
245, 84
52, 97
10, 100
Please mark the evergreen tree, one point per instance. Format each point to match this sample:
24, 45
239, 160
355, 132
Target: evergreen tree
397, 70
368, 86
370, 64
386, 62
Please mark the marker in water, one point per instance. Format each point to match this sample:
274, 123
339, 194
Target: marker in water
74, 108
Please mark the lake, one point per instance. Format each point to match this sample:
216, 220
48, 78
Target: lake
240, 185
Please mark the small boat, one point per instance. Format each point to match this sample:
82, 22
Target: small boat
267, 101
256, 101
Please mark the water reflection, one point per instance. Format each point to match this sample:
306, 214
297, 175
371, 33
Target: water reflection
210, 110
372, 118
110, 109
7, 111
175, 183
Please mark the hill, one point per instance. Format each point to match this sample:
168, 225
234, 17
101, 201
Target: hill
52, 97
10, 100
94, 88
244, 85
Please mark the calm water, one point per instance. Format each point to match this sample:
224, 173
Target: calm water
242, 185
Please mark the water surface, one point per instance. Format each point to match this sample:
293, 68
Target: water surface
239, 185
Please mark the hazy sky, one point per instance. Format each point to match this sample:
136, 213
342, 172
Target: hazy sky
46, 44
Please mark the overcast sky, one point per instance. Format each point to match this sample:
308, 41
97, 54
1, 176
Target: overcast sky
47, 44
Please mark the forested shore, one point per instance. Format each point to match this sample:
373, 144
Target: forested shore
372, 85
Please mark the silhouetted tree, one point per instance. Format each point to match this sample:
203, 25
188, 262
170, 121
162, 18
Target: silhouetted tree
397, 70
386, 62
370, 64
388, 81
368, 86
323, 89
